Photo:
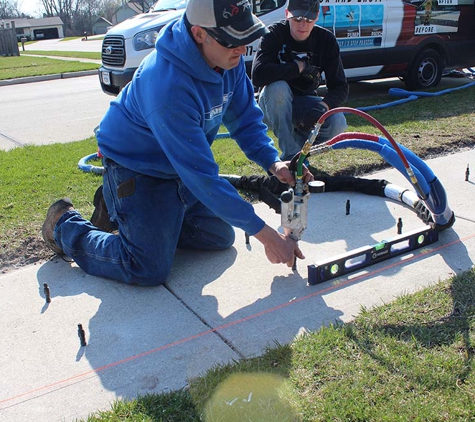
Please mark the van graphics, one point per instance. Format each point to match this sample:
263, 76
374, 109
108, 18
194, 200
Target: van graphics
355, 24
361, 24
436, 17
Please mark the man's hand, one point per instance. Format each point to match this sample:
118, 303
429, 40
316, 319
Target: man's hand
280, 169
312, 116
279, 249
286, 55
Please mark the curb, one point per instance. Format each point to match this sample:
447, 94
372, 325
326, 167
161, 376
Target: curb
31, 79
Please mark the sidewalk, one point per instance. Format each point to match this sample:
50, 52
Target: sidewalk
215, 308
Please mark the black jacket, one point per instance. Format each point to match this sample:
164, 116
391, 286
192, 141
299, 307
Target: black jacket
269, 65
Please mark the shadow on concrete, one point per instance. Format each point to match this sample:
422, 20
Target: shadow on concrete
251, 308
219, 306
140, 340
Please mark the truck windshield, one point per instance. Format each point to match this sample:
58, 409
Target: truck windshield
164, 5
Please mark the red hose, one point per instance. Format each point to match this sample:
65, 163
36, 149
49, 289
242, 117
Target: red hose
373, 121
352, 135
369, 137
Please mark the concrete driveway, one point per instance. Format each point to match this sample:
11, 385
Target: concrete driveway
93, 44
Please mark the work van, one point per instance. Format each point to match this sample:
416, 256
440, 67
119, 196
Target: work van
412, 39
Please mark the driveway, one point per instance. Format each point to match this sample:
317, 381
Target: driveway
93, 44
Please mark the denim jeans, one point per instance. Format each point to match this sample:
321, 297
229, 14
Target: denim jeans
154, 217
283, 111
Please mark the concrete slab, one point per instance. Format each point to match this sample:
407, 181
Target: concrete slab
215, 307
139, 341
254, 303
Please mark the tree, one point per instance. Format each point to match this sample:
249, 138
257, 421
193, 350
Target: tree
79, 15
109, 7
64, 9
9, 9
84, 16
143, 5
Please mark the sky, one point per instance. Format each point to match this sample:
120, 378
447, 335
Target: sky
31, 7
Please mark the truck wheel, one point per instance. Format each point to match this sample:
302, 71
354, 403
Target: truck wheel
425, 71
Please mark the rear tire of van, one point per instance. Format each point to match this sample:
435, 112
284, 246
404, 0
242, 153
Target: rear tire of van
425, 71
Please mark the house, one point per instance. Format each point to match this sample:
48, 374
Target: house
38, 29
101, 26
129, 9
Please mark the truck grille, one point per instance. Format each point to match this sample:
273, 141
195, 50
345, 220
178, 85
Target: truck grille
113, 51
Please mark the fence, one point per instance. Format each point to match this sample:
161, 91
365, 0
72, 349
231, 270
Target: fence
8, 41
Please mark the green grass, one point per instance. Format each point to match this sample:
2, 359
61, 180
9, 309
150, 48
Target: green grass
23, 66
75, 54
37, 176
90, 38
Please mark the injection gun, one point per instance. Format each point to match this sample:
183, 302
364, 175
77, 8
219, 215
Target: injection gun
294, 210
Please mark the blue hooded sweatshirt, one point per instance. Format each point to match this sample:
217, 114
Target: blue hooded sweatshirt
164, 121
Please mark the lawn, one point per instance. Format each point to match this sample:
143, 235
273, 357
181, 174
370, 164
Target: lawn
22, 66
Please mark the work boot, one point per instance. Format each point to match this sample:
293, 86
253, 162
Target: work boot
100, 216
55, 211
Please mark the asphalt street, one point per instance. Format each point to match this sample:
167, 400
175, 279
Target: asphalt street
48, 112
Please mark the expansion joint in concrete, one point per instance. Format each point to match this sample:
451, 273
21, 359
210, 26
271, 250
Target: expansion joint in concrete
213, 329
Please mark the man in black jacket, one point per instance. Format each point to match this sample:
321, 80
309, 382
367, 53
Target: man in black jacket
287, 68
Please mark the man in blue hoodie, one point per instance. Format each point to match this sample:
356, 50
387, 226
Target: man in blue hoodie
161, 182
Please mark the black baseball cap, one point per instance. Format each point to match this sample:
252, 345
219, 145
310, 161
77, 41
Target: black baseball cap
305, 8
231, 20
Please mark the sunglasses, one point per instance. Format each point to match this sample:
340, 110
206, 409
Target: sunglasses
219, 40
302, 18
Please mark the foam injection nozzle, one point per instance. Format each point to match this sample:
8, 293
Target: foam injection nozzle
312, 137
415, 183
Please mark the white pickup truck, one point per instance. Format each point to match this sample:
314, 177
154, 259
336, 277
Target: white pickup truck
413, 39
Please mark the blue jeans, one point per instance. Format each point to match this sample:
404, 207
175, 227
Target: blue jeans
283, 111
154, 217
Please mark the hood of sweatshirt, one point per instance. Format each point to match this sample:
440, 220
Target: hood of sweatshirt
183, 52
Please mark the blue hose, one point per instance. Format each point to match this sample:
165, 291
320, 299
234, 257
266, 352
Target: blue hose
390, 104
389, 155
398, 92
412, 96
436, 198
89, 168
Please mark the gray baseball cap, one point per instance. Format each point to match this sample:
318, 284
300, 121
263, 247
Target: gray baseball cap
232, 20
